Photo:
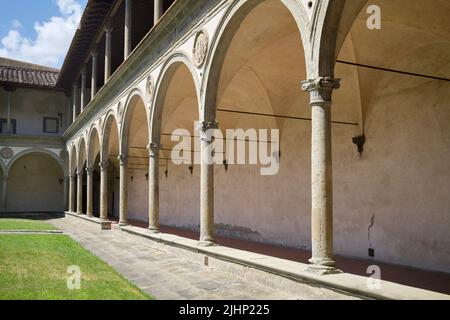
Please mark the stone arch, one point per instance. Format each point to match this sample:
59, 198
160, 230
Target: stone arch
110, 120
82, 153
31, 151
36, 182
162, 84
93, 146
135, 97
228, 27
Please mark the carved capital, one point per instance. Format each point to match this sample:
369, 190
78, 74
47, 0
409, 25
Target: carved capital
104, 165
79, 174
321, 88
204, 129
94, 53
89, 171
153, 149
123, 160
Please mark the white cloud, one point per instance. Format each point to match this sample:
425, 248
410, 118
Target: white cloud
16, 24
52, 41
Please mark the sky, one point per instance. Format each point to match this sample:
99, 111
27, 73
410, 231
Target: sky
39, 31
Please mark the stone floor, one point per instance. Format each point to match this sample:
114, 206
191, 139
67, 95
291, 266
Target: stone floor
169, 277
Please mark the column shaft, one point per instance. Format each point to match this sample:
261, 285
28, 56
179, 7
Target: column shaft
158, 11
123, 192
75, 98
94, 74
5, 193
108, 39
321, 175
128, 24
104, 190
153, 187
90, 192
207, 185
83, 90
80, 192
71, 192
9, 129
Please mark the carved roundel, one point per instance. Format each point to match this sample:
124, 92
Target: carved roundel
7, 153
200, 50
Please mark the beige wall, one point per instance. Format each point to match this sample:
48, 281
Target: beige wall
36, 183
30, 106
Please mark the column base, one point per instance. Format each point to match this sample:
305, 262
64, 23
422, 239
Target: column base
207, 243
105, 224
323, 267
90, 215
123, 223
153, 231
79, 213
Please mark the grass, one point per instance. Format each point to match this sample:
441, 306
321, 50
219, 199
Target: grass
22, 224
34, 267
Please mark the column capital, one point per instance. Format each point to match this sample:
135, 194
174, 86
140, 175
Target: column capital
94, 53
104, 165
4, 178
123, 160
153, 149
203, 127
79, 173
321, 88
75, 87
109, 28
90, 171
83, 71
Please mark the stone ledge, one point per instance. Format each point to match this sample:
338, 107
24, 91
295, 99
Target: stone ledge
104, 225
353, 284
291, 270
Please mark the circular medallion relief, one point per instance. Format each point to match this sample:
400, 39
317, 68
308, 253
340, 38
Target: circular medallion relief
6, 153
200, 48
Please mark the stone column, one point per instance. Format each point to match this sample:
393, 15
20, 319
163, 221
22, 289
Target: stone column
9, 126
83, 90
123, 194
153, 187
74, 109
128, 23
158, 11
80, 192
5, 193
71, 192
66, 179
94, 55
207, 184
104, 190
320, 90
108, 39
90, 192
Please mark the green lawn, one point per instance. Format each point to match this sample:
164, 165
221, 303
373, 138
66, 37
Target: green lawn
34, 267
22, 224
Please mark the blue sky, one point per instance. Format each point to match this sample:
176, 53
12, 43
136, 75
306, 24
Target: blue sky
39, 31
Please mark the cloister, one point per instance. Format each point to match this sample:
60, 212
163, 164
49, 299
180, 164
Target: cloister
363, 117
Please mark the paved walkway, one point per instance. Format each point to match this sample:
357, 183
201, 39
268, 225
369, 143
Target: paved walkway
169, 277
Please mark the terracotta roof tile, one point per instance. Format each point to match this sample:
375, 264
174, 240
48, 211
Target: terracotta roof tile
28, 76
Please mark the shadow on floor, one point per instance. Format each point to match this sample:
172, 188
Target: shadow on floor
429, 280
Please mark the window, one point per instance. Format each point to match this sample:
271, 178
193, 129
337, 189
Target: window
51, 125
4, 126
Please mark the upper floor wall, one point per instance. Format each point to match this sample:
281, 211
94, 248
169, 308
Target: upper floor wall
33, 112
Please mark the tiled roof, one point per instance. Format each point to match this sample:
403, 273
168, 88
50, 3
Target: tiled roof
20, 73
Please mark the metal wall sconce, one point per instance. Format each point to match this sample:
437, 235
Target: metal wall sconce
225, 164
360, 141
191, 169
146, 176
166, 173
